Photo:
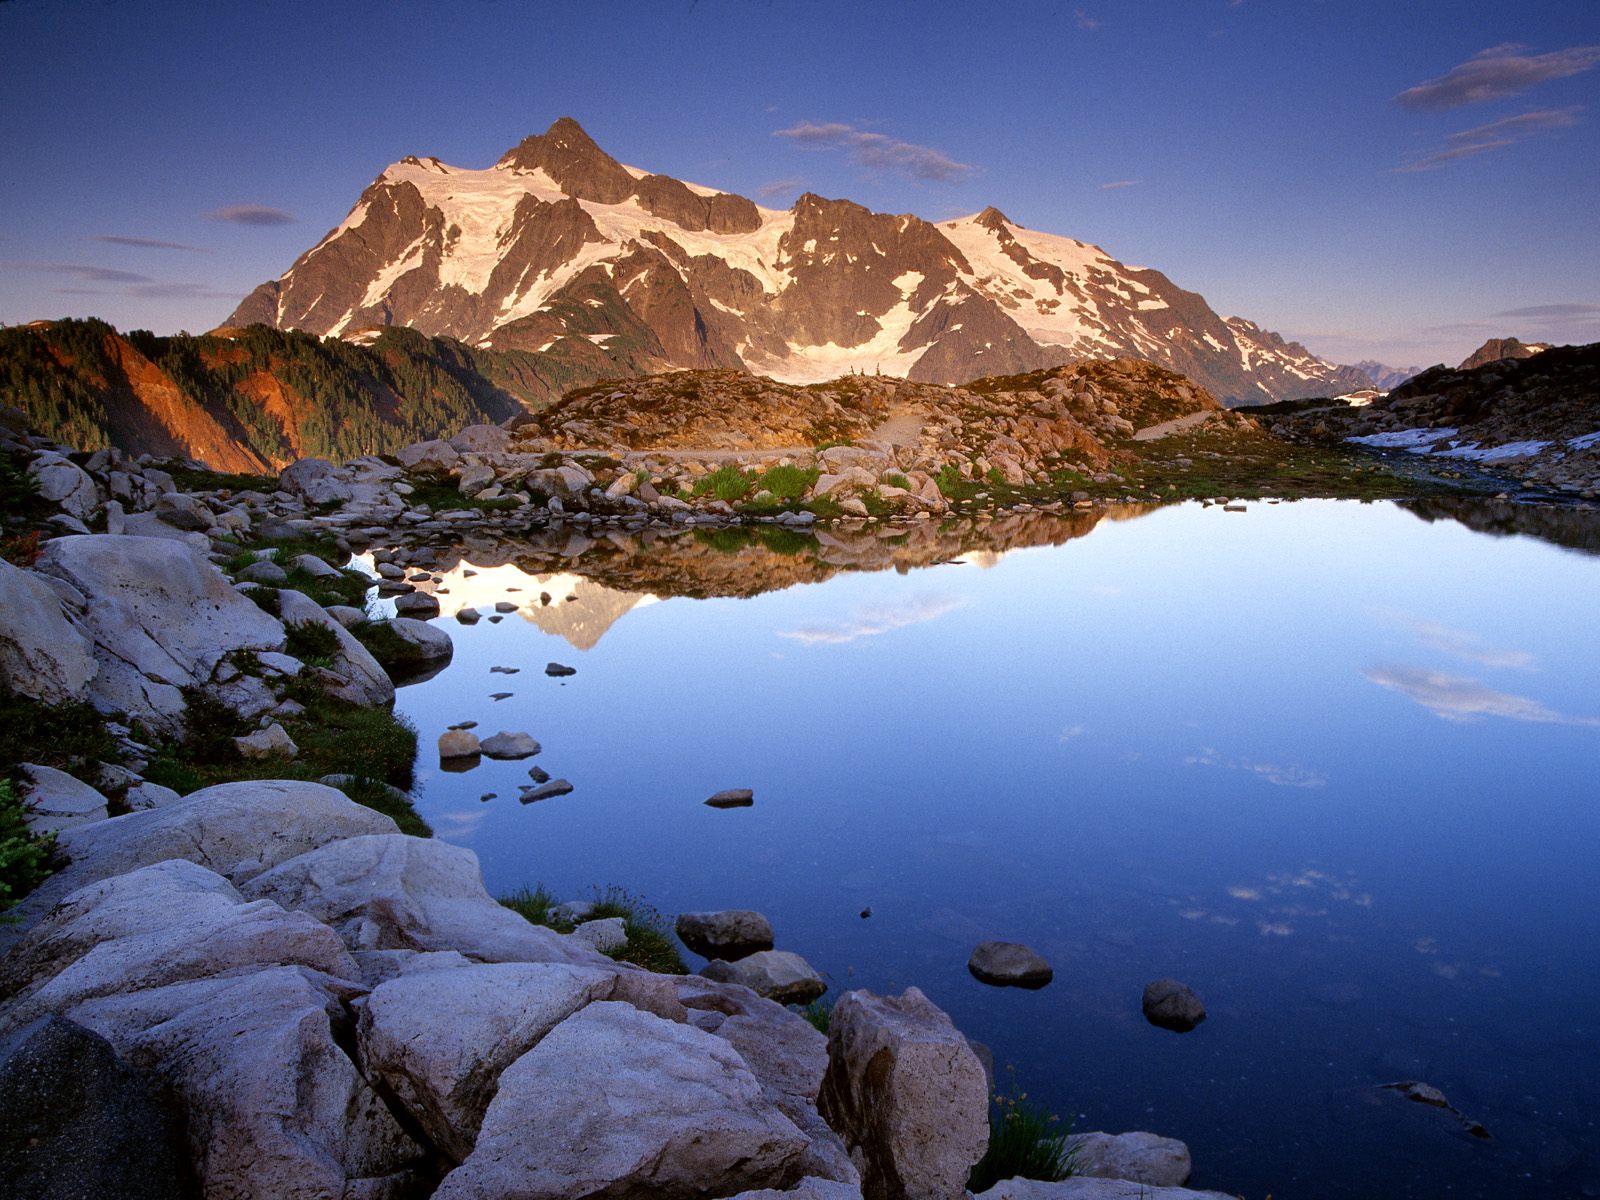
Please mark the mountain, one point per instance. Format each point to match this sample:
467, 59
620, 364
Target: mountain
1383, 377
249, 400
602, 269
1496, 349
1536, 416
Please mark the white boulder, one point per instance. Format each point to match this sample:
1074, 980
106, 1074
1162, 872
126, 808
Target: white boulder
42, 654
614, 1101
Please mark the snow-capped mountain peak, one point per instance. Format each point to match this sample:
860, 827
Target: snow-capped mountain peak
560, 249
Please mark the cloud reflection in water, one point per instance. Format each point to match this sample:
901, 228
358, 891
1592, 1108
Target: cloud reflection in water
869, 622
1454, 698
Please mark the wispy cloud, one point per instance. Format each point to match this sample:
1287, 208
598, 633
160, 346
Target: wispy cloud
1454, 698
127, 283
1496, 135
870, 622
1552, 312
1495, 73
1461, 643
780, 187
80, 271
1274, 773
117, 239
250, 214
879, 152
1084, 21
1118, 183
179, 290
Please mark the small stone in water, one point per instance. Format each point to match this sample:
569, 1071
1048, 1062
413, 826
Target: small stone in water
556, 670
732, 798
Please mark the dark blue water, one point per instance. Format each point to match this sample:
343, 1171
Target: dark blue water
1333, 766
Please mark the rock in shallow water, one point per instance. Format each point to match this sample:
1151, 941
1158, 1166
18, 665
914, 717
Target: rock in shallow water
556, 787
458, 743
1009, 964
1171, 1005
509, 745
416, 605
730, 934
732, 798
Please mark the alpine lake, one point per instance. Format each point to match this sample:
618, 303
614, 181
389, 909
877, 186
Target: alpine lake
1334, 765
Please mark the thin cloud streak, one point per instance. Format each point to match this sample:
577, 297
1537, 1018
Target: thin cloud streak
879, 152
780, 187
1552, 312
81, 271
1118, 183
117, 239
250, 214
1463, 643
871, 622
1453, 698
1495, 73
1496, 135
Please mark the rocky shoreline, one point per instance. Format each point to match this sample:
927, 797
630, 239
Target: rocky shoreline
290, 997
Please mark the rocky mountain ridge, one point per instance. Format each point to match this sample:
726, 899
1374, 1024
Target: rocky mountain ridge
256, 399
1536, 417
1496, 349
560, 250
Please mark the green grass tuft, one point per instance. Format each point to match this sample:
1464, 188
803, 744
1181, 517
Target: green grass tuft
1025, 1142
787, 482
651, 944
728, 483
25, 859
819, 1013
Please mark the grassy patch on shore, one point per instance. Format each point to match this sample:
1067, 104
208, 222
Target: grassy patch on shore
443, 494
1247, 464
728, 483
333, 737
70, 737
651, 944
198, 479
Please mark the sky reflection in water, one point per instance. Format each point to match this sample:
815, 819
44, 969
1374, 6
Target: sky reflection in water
1329, 764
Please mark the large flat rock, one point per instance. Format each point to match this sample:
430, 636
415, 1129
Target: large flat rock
616, 1102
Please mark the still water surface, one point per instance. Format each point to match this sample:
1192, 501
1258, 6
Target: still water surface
1332, 765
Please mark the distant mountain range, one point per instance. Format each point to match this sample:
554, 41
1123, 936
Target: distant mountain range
594, 268
1384, 377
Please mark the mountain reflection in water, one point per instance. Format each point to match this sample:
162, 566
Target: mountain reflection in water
577, 586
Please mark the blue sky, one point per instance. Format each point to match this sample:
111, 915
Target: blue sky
1379, 180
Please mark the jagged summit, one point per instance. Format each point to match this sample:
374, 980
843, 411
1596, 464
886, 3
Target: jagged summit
604, 269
